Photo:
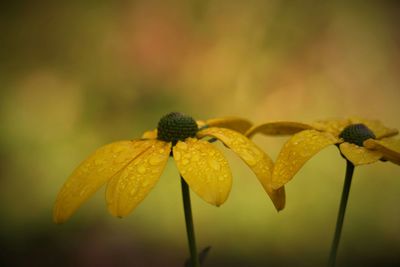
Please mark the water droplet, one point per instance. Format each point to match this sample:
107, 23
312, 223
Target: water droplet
182, 145
196, 157
141, 169
145, 183
177, 155
98, 161
156, 159
221, 178
83, 191
114, 156
214, 164
185, 161
249, 158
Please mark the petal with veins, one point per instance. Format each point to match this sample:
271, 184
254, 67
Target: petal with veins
132, 184
92, 173
359, 155
259, 162
205, 169
296, 152
333, 126
389, 147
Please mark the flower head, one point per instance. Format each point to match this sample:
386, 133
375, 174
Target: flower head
360, 141
132, 168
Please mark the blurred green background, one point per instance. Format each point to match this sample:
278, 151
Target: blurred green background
77, 75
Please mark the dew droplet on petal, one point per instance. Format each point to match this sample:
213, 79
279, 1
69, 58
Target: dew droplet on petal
182, 145
156, 159
83, 191
214, 164
177, 155
185, 161
142, 169
249, 158
255, 151
196, 157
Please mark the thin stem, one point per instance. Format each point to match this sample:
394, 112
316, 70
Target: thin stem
342, 211
194, 260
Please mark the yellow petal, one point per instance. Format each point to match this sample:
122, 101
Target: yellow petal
376, 127
92, 173
359, 155
296, 152
205, 169
150, 134
255, 158
278, 128
200, 123
333, 126
130, 186
133, 183
389, 147
234, 123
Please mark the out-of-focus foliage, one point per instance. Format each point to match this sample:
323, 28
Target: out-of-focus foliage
76, 75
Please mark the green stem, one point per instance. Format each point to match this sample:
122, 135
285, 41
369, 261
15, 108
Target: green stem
194, 260
342, 211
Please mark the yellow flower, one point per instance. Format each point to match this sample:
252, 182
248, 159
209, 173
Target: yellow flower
132, 168
360, 141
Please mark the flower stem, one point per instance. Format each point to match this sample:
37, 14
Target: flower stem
194, 260
342, 211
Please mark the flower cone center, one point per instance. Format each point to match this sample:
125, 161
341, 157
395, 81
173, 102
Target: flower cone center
356, 134
175, 127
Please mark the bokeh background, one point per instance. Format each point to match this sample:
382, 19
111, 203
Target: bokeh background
75, 75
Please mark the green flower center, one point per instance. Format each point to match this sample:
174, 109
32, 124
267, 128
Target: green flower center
356, 134
175, 127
